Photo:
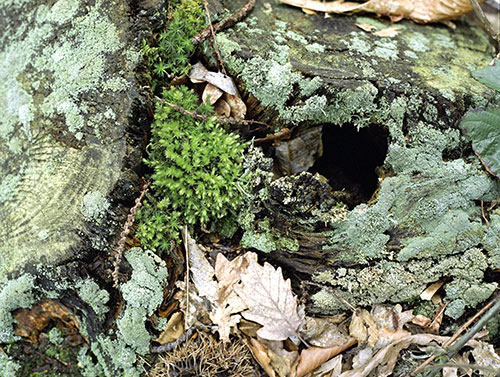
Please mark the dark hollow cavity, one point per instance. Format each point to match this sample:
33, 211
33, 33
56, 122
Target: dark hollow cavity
351, 158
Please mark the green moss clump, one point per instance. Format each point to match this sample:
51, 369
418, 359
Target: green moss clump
168, 51
196, 167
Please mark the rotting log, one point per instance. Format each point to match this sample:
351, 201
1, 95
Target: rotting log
389, 109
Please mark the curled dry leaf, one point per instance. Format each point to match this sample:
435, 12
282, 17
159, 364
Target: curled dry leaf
390, 317
324, 332
312, 358
485, 356
389, 32
366, 27
421, 11
238, 107
173, 330
259, 352
270, 301
431, 290
222, 109
225, 83
283, 362
363, 327
331, 368
211, 94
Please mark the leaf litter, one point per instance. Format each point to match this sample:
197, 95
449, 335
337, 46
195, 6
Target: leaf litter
254, 302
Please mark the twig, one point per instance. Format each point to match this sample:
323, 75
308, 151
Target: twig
225, 23
206, 117
461, 330
484, 216
494, 38
282, 134
207, 12
186, 244
332, 291
118, 252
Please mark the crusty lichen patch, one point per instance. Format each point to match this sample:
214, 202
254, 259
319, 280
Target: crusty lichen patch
66, 88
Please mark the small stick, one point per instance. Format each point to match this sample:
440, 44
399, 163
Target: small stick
207, 12
283, 134
456, 335
225, 23
118, 252
206, 117
484, 216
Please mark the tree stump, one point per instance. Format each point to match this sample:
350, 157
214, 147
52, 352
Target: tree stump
389, 109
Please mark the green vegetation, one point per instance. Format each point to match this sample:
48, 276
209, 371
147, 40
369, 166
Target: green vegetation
196, 165
483, 125
168, 51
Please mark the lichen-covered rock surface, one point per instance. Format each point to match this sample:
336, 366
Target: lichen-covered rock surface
67, 141
425, 223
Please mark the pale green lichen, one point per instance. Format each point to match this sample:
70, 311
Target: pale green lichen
94, 206
55, 336
90, 292
14, 294
8, 367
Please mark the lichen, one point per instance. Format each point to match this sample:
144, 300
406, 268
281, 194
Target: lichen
90, 292
14, 294
94, 206
8, 366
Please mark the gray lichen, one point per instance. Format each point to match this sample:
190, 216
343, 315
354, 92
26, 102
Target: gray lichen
94, 206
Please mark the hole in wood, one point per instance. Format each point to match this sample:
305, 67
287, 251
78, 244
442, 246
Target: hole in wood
350, 160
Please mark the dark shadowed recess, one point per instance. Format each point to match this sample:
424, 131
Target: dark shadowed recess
351, 158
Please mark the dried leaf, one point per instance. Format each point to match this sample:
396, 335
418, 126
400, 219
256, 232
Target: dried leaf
270, 301
260, 354
363, 327
450, 372
282, 361
238, 107
309, 11
173, 330
431, 290
211, 94
312, 358
421, 320
225, 83
225, 303
390, 32
485, 356
324, 332
222, 108
366, 27
331, 368
31, 321
422, 11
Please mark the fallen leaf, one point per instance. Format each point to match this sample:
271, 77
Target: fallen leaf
282, 361
363, 327
450, 372
389, 32
270, 301
211, 94
485, 356
259, 352
222, 108
225, 83
422, 11
366, 27
330, 368
324, 332
31, 321
238, 107
431, 290
421, 320
312, 358
173, 330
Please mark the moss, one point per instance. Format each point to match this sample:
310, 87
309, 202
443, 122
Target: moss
14, 294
